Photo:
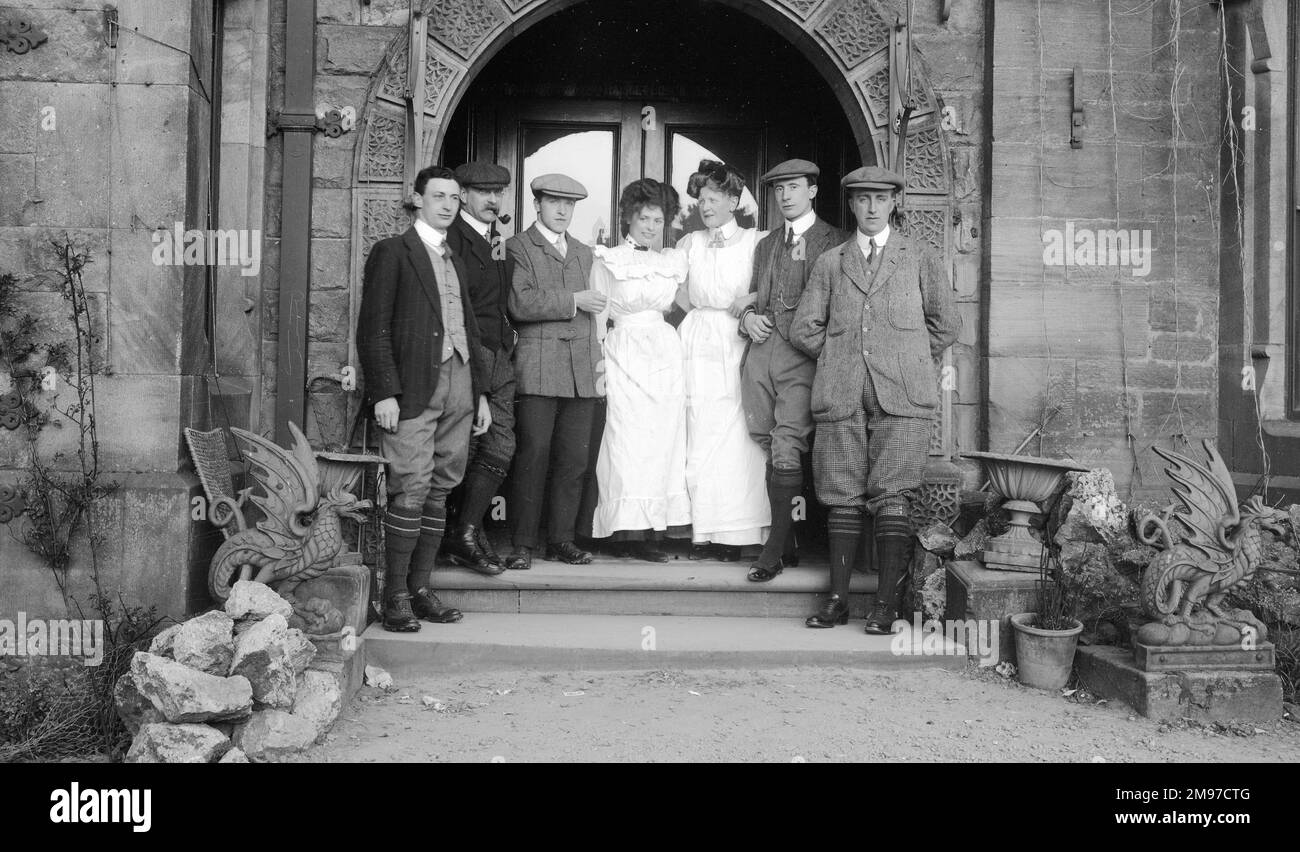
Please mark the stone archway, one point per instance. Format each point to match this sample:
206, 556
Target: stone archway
850, 42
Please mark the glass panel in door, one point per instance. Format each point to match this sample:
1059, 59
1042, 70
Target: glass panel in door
738, 147
586, 154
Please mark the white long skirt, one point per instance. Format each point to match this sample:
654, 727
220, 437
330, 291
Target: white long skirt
641, 468
724, 466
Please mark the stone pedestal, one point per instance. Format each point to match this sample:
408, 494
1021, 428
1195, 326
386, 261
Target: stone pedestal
347, 586
1206, 696
976, 592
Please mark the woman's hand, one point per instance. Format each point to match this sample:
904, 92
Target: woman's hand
738, 307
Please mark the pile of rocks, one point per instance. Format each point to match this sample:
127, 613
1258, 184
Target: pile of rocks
232, 686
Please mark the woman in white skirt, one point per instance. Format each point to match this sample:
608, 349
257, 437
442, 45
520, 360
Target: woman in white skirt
641, 468
724, 466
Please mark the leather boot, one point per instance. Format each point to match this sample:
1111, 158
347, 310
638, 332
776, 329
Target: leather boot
462, 548
894, 550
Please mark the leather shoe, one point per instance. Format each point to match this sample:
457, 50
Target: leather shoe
643, 550
426, 605
520, 560
835, 610
880, 620
485, 544
567, 551
398, 617
463, 548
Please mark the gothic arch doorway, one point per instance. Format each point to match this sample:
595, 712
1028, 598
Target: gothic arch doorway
852, 45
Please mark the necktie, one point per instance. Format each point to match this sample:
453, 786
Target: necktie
789, 237
641, 248
561, 246
871, 255
717, 240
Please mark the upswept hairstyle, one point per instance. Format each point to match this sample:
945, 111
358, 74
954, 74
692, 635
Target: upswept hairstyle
716, 176
429, 173
647, 192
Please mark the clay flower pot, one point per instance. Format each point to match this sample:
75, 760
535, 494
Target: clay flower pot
1044, 658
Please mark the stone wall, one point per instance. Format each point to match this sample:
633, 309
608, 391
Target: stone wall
108, 144
1125, 361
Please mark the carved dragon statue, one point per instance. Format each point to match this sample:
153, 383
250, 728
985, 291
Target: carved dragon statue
1184, 586
297, 539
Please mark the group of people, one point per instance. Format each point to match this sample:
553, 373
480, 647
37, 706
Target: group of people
481, 359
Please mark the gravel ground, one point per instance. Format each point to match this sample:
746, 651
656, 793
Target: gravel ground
813, 714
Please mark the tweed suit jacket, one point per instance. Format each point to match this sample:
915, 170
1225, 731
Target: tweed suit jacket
892, 324
489, 284
558, 350
400, 328
820, 237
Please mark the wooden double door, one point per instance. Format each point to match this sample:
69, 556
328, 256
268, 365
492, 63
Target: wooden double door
607, 144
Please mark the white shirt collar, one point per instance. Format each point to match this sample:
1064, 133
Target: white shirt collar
803, 223
482, 228
728, 230
550, 235
879, 239
430, 235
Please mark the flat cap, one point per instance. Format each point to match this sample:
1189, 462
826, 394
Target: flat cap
482, 174
792, 168
561, 186
871, 177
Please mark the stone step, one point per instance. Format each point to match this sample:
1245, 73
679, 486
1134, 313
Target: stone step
611, 586
566, 642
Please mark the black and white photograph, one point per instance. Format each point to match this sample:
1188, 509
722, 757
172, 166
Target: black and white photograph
651, 381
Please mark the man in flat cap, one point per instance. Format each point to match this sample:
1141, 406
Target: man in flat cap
473, 238
418, 341
776, 377
877, 313
556, 367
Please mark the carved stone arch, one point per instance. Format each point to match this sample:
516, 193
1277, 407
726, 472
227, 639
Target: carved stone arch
850, 42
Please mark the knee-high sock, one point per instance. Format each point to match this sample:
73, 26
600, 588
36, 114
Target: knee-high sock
845, 528
782, 487
401, 529
894, 548
481, 484
433, 523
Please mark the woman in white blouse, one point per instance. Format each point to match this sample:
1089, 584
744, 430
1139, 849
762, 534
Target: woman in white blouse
641, 468
724, 466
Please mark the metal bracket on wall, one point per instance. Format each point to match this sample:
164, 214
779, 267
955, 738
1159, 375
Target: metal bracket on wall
110, 26
332, 124
1076, 112
21, 35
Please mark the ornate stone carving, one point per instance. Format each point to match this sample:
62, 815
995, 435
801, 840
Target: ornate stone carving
385, 148
928, 225
21, 35
802, 8
876, 89
394, 84
925, 162
12, 503
1184, 586
938, 500
936, 432
381, 218
298, 537
462, 25
855, 32
437, 75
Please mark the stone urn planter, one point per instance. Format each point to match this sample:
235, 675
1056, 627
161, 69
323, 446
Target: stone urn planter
1025, 481
1044, 658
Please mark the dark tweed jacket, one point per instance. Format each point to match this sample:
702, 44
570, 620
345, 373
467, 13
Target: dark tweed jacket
558, 349
489, 283
820, 237
399, 331
894, 324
